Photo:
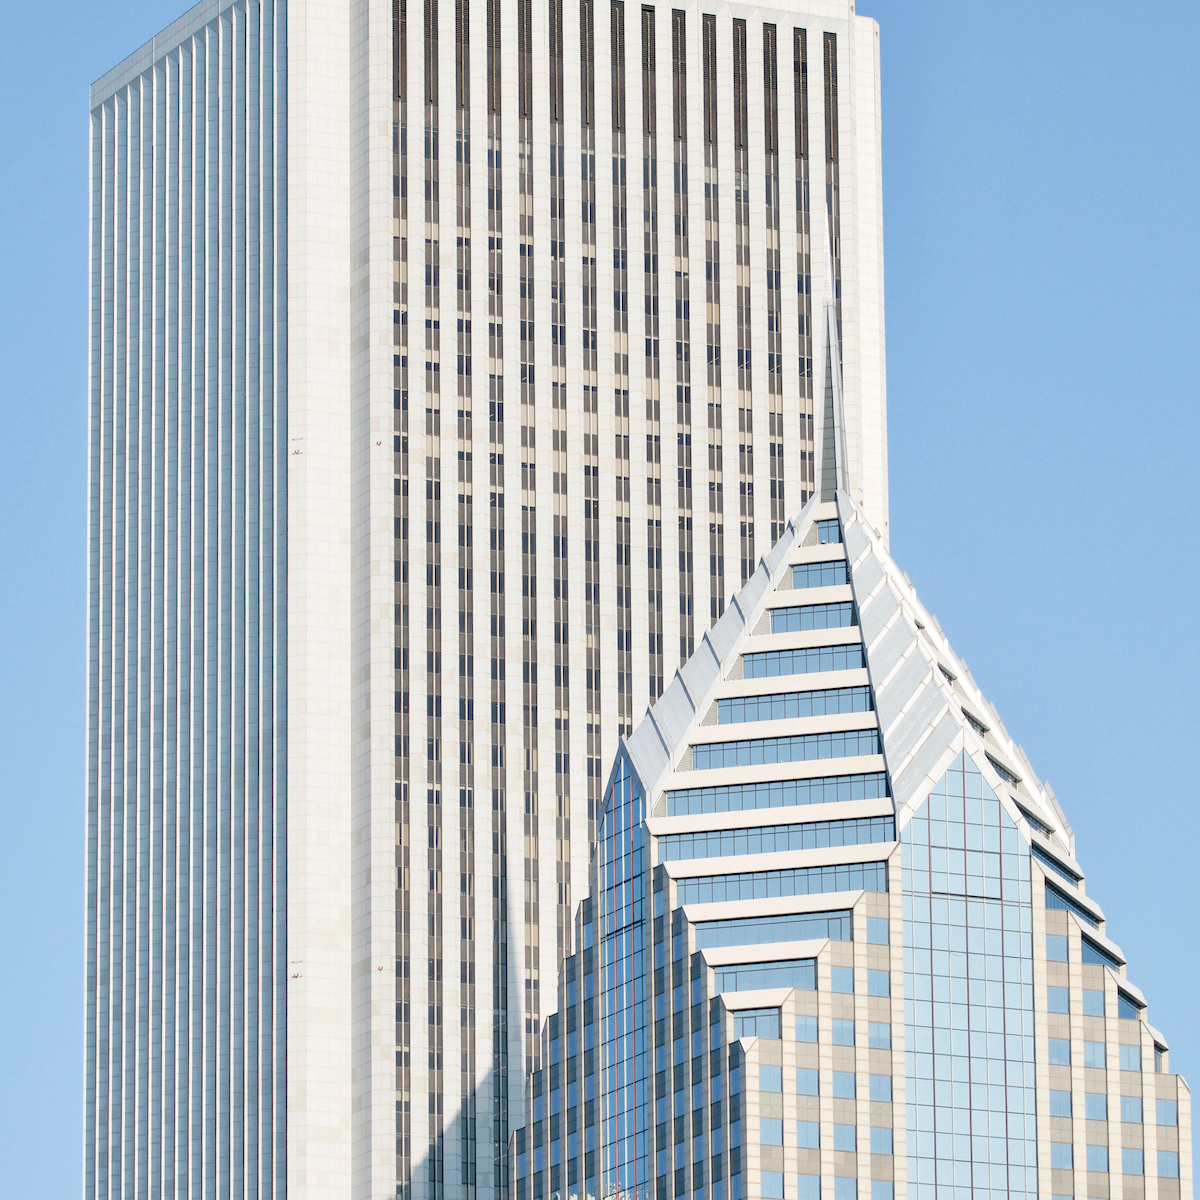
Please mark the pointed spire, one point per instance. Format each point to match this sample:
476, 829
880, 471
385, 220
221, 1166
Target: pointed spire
834, 473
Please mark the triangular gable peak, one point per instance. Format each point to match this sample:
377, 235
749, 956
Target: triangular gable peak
929, 705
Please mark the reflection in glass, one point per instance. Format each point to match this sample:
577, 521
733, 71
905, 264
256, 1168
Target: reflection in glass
968, 951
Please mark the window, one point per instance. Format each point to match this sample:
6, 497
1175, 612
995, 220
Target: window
1132, 1161
806, 1029
879, 983
800, 747
878, 933
795, 973
770, 1079
881, 1140
1056, 899
1060, 1104
845, 1137
1046, 861
1166, 1112
808, 1187
1094, 1054
770, 1131
829, 532
774, 839
797, 881
1101, 958
1160, 1059
1128, 1009
976, 724
807, 1081
771, 1185
788, 706
802, 660
1060, 1052
843, 1084
757, 1022
1131, 1058
1095, 1106
1093, 1002
882, 1189
820, 574
781, 793
1036, 822
879, 1035
845, 1189
1005, 773
842, 979
1168, 1164
1097, 1158
843, 1032
808, 1135
1061, 1156
797, 618
792, 927
1056, 948
1058, 999
881, 1087
1131, 1109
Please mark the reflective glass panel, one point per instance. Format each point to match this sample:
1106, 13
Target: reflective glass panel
822, 574
800, 881
790, 927
623, 970
787, 706
779, 793
771, 839
801, 747
799, 617
748, 977
968, 989
802, 660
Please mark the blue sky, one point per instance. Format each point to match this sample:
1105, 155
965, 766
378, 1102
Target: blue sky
1041, 176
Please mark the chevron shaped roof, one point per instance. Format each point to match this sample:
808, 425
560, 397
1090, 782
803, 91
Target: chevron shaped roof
924, 704
928, 704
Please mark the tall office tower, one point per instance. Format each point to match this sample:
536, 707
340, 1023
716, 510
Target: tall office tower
838, 945
365, 633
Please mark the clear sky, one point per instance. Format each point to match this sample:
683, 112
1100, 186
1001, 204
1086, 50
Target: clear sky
1040, 185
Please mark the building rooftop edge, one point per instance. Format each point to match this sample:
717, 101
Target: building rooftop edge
162, 43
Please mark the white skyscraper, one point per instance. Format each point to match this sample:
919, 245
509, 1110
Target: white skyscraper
364, 633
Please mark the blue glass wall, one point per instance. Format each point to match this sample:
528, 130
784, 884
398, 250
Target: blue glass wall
968, 962
186, 938
623, 971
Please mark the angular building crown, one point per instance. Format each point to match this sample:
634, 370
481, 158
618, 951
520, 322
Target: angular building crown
834, 908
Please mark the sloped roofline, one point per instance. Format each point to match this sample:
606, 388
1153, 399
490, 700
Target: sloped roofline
661, 737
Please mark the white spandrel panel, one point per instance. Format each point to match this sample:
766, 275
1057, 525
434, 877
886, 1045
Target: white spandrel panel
319, 603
